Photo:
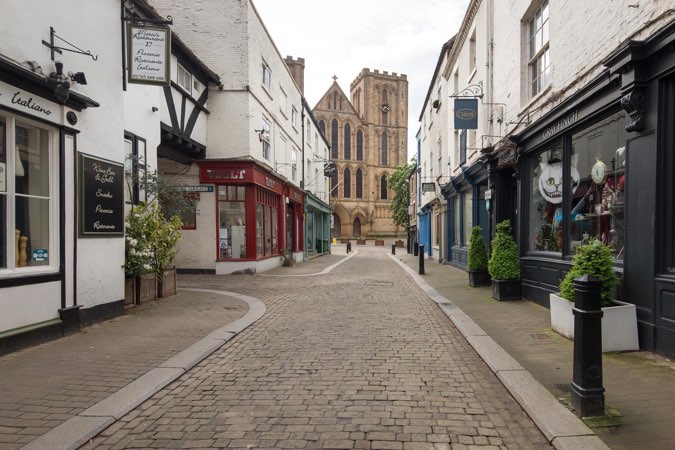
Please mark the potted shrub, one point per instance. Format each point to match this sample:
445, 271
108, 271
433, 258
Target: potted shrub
478, 259
504, 264
619, 321
164, 236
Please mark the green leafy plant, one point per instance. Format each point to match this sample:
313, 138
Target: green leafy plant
594, 259
398, 181
478, 257
138, 254
504, 264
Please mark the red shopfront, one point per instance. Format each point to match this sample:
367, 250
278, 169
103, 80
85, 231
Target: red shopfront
250, 211
294, 220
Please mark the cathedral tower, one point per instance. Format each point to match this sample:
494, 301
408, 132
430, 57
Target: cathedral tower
368, 135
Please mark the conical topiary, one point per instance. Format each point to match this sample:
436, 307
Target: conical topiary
593, 259
504, 263
478, 257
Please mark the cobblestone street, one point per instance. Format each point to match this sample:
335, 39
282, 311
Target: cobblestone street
358, 357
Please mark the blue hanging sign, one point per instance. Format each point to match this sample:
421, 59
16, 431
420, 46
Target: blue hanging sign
466, 113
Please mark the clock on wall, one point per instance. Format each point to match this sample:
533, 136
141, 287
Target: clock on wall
385, 107
599, 172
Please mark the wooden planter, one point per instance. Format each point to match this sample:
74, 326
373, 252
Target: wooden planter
146, 288
166, 287
479, 278
506, 289
399, 243
379, 242
129, 291
360, 242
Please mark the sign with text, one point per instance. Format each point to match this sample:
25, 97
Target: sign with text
29, 103
466, 113
149, 54
101, 197
428, 187
199, 188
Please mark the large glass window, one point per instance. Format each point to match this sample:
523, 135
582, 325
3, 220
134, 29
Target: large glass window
467, 215
26, 190
546, 196
457, 225
267, 229
232, 219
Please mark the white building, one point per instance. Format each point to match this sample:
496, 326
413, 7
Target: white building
254, 140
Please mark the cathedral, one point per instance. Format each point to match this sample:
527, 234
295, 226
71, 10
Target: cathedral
368, 138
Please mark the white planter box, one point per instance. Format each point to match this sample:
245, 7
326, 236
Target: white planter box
619, 324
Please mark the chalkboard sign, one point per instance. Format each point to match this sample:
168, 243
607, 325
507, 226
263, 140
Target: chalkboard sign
101, 202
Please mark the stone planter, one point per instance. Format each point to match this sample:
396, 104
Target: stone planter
506, 289
379, 242
619, 324
479, 278
129, 291
360, 242
146, 288
166, 287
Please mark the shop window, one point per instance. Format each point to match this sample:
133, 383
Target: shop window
136, 169
232, 219
28, 226
267, 230
594, 161
457, 226
467, 217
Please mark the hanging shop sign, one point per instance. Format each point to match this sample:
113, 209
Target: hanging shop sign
428, 187
466, 113
149, 54
101, 197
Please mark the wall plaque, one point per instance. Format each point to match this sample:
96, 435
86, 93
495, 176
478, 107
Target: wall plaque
101, 197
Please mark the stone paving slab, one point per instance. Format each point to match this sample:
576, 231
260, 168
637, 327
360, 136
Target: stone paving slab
72, 434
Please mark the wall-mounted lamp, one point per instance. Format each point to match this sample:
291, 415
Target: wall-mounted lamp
59, 83
261, 134
155, 109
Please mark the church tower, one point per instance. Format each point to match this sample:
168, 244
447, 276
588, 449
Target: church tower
368, 135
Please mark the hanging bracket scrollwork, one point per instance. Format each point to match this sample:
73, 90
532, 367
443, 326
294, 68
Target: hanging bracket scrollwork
473, 91
634, 104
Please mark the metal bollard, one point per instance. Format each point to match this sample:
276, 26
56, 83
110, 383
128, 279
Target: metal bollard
416, 249
407, 244
421, 271
393, 249
588, 395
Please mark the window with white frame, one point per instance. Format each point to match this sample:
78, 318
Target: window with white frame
135, 168
294, 165
184, 79
294, 117
539, 66
28, 207
265, 139
440, 158
283, 108
472, 52
266, 76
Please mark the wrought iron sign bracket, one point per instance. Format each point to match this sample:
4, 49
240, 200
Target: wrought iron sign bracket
472, 91
56, 49
167, 21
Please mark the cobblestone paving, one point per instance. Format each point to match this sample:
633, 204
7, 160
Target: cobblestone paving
357, 358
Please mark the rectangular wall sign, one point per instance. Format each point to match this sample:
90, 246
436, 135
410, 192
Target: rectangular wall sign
101, 197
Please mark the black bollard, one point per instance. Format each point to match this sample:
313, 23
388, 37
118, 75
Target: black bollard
421, 271
407, 244
588, 395
393, 249
416, 249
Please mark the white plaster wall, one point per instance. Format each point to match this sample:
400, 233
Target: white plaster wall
141, 120
27, 305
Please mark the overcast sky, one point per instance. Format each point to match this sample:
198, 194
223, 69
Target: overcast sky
341, 38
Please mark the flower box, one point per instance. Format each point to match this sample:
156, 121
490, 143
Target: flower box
166, 285
379, 242
506, 289
360, 242
129, 292
619, 324
146, 287
479, 278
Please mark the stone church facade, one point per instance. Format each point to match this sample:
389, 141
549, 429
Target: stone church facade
368, 136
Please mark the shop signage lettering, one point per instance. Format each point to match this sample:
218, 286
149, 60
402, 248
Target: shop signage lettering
26, 102
195, 188
561, 124
101, 202
226, 174
149, 54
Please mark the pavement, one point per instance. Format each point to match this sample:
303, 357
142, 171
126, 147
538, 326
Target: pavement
318, 361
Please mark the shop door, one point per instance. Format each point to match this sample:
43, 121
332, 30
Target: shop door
483, 216
289, 229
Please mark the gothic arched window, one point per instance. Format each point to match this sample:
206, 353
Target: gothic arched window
348, 183
334, 139
333, 184
384, 148
322, 127
348, 142
359, 184
383, 187
359, 145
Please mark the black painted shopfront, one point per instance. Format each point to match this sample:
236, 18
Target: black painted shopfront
601, 165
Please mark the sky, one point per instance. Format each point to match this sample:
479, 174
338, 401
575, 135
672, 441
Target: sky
342, 38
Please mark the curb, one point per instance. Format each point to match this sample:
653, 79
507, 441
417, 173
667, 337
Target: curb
323, 272
560, 426
76, 431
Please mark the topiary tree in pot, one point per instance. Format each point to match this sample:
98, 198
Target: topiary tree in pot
504, 264
478, 259
592, 259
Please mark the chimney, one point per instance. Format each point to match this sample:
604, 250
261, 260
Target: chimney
297, 68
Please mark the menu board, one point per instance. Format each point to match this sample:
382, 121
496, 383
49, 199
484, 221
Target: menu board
101, 197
